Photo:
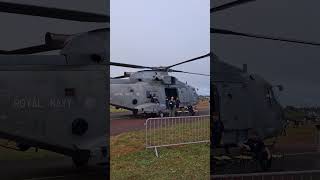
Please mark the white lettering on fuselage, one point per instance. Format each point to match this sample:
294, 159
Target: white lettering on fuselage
59, 103
36, 103
27, 102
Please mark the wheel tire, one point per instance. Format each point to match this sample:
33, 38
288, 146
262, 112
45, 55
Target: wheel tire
135, 113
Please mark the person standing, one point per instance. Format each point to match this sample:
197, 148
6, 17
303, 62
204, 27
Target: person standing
167, 102
177, 103
172, 105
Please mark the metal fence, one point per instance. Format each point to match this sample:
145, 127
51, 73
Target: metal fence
286, 175
171, 131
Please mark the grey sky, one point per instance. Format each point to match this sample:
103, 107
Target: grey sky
165, 32
294, 66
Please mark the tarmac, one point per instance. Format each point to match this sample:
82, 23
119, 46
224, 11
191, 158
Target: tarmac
122, 122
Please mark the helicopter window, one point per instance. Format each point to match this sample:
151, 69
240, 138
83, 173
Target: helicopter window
134, 101
139, 79
173, 80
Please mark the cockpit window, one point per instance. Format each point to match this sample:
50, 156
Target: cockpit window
173, 80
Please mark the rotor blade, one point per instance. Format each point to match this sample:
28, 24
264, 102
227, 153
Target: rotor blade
190, 60
129, 65
30, 50
172, 70
228, 32
229, 5
56, 13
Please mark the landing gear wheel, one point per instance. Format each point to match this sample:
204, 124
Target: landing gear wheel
135, 112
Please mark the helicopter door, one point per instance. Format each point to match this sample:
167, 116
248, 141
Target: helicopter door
171, 92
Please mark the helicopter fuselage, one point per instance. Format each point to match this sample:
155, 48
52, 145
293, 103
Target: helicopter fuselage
245, 102
136, 93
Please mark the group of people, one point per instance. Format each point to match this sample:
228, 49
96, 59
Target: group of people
172, 104
253, 144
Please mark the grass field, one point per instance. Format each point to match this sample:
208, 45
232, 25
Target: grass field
130, 159
305, 134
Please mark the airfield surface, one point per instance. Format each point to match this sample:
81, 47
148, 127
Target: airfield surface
122, 122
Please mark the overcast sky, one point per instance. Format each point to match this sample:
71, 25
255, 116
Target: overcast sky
294, 66
161, 33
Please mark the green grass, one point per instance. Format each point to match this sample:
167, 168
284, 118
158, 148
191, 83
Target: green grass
301, 134
130, 159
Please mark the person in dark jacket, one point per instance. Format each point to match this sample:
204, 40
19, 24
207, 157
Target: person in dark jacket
172, 105
167, 102
191, 110
177, 103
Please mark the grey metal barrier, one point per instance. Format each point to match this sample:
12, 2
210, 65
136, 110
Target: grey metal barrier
285, 175
172, 131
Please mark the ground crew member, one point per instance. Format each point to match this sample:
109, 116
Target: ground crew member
177, 103
154, 99
172, 105
167, 102
190, 109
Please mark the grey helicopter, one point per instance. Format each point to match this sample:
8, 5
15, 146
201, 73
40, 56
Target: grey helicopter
245, 101
57, 102
147, 91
